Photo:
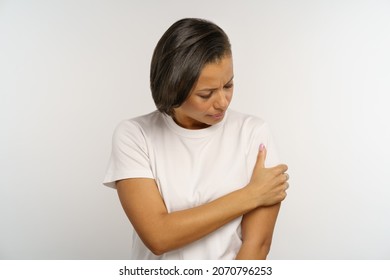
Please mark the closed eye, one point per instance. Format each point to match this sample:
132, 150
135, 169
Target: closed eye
207, 96
227, 86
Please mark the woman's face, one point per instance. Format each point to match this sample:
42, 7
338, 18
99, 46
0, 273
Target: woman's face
209, 99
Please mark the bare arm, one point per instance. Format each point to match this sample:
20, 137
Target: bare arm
162, 231
257, 228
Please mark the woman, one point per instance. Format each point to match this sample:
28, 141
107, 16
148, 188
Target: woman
191, 176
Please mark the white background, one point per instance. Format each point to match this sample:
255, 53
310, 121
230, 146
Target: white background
317, 71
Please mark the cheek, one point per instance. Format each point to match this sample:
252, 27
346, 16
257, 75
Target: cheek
196, 108
229, 96
202, 108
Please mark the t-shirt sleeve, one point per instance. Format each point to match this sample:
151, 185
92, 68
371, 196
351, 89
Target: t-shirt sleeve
272, 157
129, 156
262, 135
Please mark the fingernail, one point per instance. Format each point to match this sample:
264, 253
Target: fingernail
261, 147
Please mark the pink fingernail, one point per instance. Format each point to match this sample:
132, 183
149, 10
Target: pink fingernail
262, 147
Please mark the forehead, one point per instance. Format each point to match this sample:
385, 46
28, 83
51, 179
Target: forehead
213, 74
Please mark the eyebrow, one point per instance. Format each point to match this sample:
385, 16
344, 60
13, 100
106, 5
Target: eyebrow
208, 89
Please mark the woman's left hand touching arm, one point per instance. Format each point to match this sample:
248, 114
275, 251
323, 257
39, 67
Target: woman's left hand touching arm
257, 228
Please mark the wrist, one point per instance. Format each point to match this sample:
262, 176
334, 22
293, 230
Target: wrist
252, 198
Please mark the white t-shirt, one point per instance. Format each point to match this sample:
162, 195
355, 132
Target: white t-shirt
191, 168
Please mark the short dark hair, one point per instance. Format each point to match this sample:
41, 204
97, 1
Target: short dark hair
180, 55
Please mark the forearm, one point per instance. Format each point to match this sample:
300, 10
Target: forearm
176, 229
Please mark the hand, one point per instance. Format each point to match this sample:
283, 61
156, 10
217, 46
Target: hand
269, 185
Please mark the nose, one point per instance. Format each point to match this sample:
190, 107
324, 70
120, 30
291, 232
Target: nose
221, 101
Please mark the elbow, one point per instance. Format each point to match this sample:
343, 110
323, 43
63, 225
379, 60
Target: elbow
158, 239
157, 250
259, 249
157, 246
264, 247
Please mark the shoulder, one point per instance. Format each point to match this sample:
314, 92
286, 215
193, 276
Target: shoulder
137, 128
245, 122
144, 122
255, 131
248, 127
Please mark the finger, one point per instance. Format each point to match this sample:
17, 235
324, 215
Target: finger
284, 177
281, 168
261, 156
281, 179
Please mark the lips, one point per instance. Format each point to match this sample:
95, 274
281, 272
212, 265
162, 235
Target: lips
218, 116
